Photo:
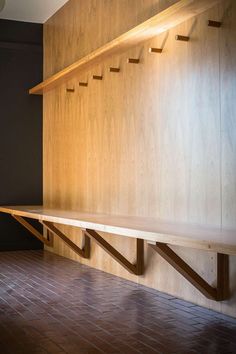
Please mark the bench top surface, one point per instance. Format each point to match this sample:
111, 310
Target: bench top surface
148, 228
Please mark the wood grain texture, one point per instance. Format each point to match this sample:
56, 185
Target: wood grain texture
218, 293
83, 251
137, 268
147, 141
228, 121
146, 228
76, 32
162, 22
33, 231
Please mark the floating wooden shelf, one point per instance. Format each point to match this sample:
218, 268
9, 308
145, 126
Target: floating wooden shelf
158, 234
181, 11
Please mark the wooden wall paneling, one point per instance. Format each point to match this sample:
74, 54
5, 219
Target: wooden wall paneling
183, 141
145, 141
74, 144
218, 293
70, 33
105, 163
161, 22
228, 130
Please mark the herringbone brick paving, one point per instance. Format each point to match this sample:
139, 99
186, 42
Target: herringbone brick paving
49, 304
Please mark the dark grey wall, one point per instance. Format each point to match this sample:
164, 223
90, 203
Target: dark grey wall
21, 63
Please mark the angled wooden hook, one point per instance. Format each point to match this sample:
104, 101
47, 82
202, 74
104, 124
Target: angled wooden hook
182, 38
155, 50
133, 61
114, 70
216, 24
97, 77
84, 84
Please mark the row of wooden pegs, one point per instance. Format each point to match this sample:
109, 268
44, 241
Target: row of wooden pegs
211, 23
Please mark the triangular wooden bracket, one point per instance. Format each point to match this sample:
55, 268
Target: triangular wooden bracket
82, 252
137, 268
47, 241
220, 293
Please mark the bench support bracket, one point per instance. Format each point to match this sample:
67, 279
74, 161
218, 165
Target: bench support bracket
47, 241
220, 293
137, 268
82, 252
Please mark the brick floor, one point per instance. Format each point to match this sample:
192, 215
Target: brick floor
49, 304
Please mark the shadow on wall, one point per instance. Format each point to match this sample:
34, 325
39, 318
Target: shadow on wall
21, 127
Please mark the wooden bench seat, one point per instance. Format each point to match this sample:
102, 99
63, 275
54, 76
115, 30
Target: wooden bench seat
150, 229
158, 233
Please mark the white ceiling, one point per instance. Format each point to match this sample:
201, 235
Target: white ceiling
30, 10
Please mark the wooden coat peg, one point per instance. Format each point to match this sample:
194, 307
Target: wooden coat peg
114, 70
133, 61
70, 90
216, 24
182, 38
84, 84
97, 77
155, 50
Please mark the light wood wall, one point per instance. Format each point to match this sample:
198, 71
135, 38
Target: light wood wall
157, 139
